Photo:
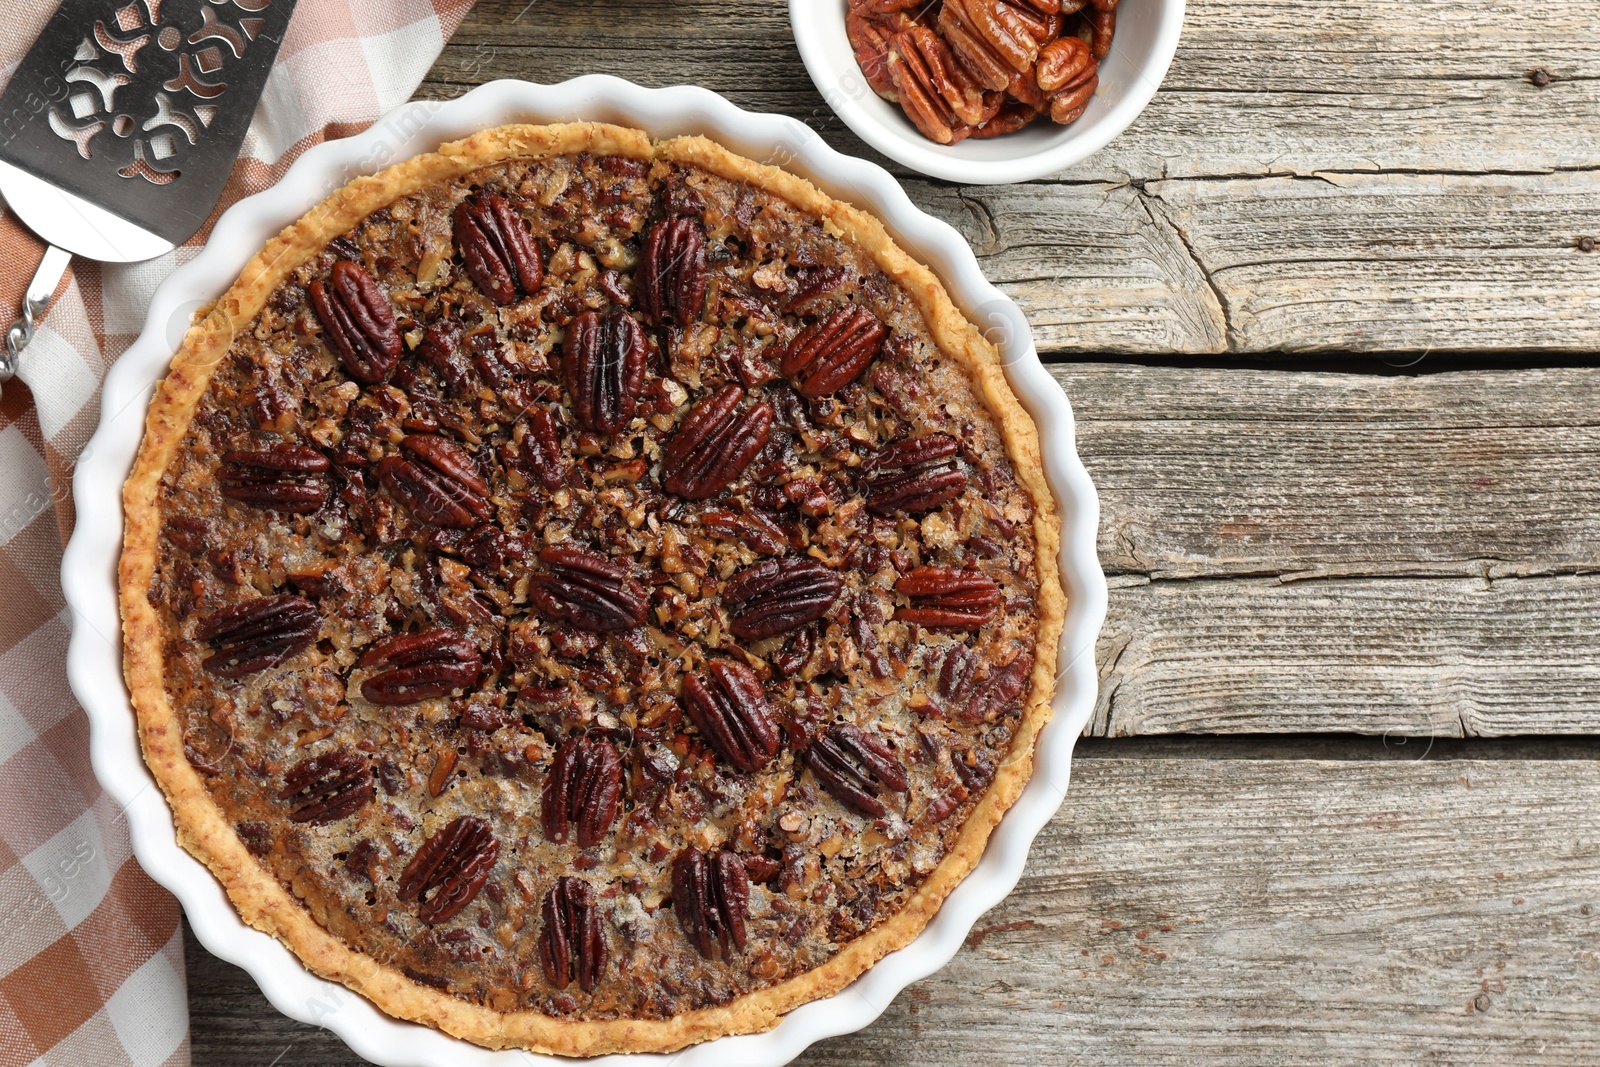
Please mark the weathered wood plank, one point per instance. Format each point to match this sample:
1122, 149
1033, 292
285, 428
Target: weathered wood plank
1092, 267
1367, 263
1209, 120
1251, 911
1266, 87
1386, 262
1208, 472
1426, 508
1418, 657
1292, 912
1258, 87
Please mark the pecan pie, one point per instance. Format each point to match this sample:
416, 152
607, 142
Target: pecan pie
587, 593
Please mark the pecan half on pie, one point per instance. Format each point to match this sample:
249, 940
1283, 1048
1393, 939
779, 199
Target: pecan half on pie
587, 593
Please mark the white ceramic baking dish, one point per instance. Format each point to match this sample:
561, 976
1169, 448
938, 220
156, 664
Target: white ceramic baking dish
88, 571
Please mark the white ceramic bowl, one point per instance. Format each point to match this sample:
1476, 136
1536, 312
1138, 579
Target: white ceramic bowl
88, 571
1141, 50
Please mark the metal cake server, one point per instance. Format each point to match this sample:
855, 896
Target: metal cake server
121, 126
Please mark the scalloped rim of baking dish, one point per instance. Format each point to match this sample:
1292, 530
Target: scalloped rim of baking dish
88, 570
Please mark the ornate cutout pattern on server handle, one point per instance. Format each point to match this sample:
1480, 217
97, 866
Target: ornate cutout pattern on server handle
143, 84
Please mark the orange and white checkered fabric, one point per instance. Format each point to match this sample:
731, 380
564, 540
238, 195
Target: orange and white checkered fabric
91, 956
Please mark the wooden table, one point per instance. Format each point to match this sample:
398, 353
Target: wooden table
1328, 315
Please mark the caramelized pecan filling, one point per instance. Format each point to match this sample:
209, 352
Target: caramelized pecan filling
589, 589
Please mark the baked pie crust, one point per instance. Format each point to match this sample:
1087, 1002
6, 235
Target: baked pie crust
888, 799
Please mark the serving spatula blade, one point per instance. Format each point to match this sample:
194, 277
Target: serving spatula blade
122, 124
140, 107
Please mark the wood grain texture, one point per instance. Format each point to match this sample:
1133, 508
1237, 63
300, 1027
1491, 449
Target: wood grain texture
1258, 87
1092, 266
1220, 911
1350, 262
1274, 87
1295, 551
1396, 262
1416, 657
1234, 215
1211, 472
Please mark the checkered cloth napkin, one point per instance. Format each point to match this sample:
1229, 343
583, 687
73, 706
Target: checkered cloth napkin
91, 956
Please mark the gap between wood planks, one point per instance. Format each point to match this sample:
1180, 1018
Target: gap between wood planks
1338, 747
1413, 364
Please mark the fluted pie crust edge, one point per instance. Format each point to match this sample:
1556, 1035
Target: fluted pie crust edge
205, 832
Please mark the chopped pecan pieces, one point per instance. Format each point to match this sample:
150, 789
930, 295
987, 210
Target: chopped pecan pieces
488, 549
942, 806
714, 444
754, 530
730, 709
284, 477
448, 871
572, 943
496, 248
914, 476
328, 787
603, 368
975, 775
778, 595
538, 456
992, 697
357, 321
423, 977
855, 768
256, 835
956, 674
438, 481
189, 533
318, 583
587, 590
420, 666
583, 790
948, 598
258, 634
362, 860
441, 350
795, 653
671, 280
817, 285
966, 692
762, 868
832, 352
711, 897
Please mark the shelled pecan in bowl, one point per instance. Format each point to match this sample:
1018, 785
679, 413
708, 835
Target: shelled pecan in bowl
982, 68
